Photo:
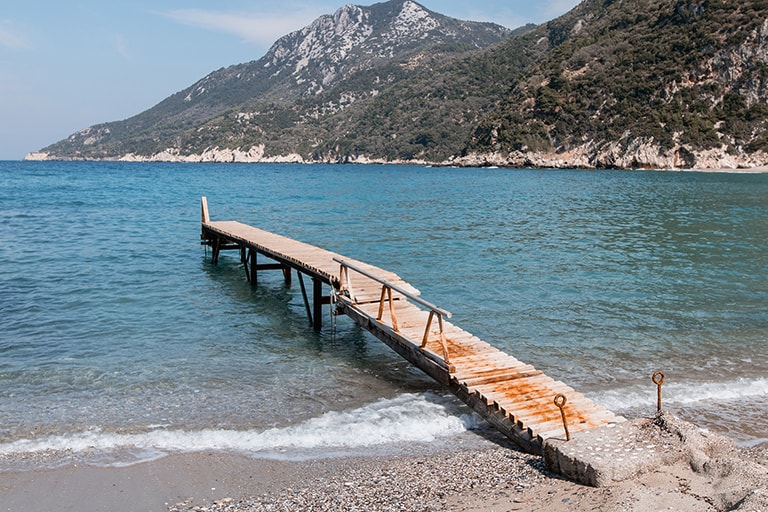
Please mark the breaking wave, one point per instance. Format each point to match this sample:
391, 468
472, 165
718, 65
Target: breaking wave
407, 418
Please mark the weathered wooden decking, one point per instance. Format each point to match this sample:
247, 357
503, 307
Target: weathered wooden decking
515, 397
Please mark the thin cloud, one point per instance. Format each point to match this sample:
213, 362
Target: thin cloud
12, 37
120, 45
252, 27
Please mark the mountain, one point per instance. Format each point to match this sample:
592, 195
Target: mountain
641, 83
612, 83
266, 107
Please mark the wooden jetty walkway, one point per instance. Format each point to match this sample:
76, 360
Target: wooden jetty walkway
519, 400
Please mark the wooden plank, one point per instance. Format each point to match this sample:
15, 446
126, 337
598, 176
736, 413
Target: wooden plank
471, 359
537, 413
499, 377
484, 360
469, 376
472, 350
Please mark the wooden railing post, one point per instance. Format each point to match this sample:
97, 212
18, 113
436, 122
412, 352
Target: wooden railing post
443, 341
344, 282
381, 303
386, 294
426, 331
204, 204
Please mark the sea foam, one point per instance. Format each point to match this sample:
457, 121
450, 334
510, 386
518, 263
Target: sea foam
407, 418
680, 394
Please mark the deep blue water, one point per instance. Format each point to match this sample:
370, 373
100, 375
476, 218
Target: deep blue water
116, 331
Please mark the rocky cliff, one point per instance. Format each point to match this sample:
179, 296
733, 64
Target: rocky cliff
650, 83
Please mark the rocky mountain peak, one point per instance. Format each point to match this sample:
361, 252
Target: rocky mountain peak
354, 38
307, 63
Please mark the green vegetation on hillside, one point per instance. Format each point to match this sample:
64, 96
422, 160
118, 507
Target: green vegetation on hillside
672, 72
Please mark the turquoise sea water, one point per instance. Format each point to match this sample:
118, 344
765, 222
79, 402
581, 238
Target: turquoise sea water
120, 341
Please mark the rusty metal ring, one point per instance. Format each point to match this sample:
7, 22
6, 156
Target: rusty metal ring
658, 378
560, 400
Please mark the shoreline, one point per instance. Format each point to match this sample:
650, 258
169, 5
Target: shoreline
494, 476
294, 159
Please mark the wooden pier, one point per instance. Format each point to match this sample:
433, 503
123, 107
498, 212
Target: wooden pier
519, 400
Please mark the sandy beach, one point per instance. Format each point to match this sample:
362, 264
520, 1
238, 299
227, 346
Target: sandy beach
493, 477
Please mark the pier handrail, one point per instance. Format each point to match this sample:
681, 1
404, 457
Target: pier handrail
386, 292
401, 291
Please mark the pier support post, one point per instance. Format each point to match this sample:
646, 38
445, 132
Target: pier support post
216, 250
244, 260
304, 296
314, 313
317, 303
252, 256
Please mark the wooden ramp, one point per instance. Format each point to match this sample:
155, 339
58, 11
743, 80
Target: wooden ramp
519, 400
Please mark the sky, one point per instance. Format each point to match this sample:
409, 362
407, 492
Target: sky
69, 64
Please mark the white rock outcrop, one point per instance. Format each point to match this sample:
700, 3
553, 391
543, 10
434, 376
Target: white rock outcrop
37, 156
640, 155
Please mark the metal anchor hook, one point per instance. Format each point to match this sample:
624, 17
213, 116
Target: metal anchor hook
658, 379
560, 402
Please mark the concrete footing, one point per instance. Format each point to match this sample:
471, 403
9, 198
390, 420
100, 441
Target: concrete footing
642, 452
622, 451
605, 455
